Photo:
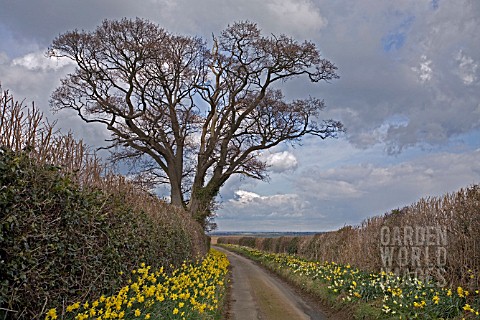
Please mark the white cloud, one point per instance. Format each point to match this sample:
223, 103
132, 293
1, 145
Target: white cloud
424, 71
467, 68
281, 161
248, 206
297, 13
32, 78
39, 61
246, 198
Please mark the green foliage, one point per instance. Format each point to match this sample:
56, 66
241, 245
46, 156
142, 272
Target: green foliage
267, 244
247, 242
292, 245
60, 243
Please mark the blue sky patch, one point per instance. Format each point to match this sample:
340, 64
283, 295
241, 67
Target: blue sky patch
393, 41
396, 38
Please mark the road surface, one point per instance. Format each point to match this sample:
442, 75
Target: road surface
257, 294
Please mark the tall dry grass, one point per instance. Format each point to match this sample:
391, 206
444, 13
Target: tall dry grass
25, 128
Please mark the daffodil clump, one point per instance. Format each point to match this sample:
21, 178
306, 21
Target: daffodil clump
399, 298
193, 291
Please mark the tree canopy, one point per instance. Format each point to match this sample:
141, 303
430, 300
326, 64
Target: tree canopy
189, 114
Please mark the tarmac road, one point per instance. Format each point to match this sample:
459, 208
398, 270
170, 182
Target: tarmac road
257, 294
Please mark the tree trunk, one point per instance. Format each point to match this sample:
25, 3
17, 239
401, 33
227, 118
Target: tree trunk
201, 202
175, 168
176, 196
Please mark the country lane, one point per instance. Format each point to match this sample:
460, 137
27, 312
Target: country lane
257, 294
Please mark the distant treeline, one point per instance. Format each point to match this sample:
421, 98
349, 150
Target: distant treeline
436, 238
262, 234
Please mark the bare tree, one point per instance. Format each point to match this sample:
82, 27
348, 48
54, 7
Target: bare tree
192, 116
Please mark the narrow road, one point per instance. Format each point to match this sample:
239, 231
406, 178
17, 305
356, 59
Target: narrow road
256, 294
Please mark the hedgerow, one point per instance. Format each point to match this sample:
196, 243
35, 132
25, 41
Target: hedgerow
59, 241
70, 229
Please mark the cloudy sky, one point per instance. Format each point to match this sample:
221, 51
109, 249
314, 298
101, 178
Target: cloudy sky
409, 96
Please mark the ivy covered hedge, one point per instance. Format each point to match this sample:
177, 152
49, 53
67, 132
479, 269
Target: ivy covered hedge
60, 242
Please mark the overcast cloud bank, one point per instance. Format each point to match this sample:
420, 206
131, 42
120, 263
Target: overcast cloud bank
409, 96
